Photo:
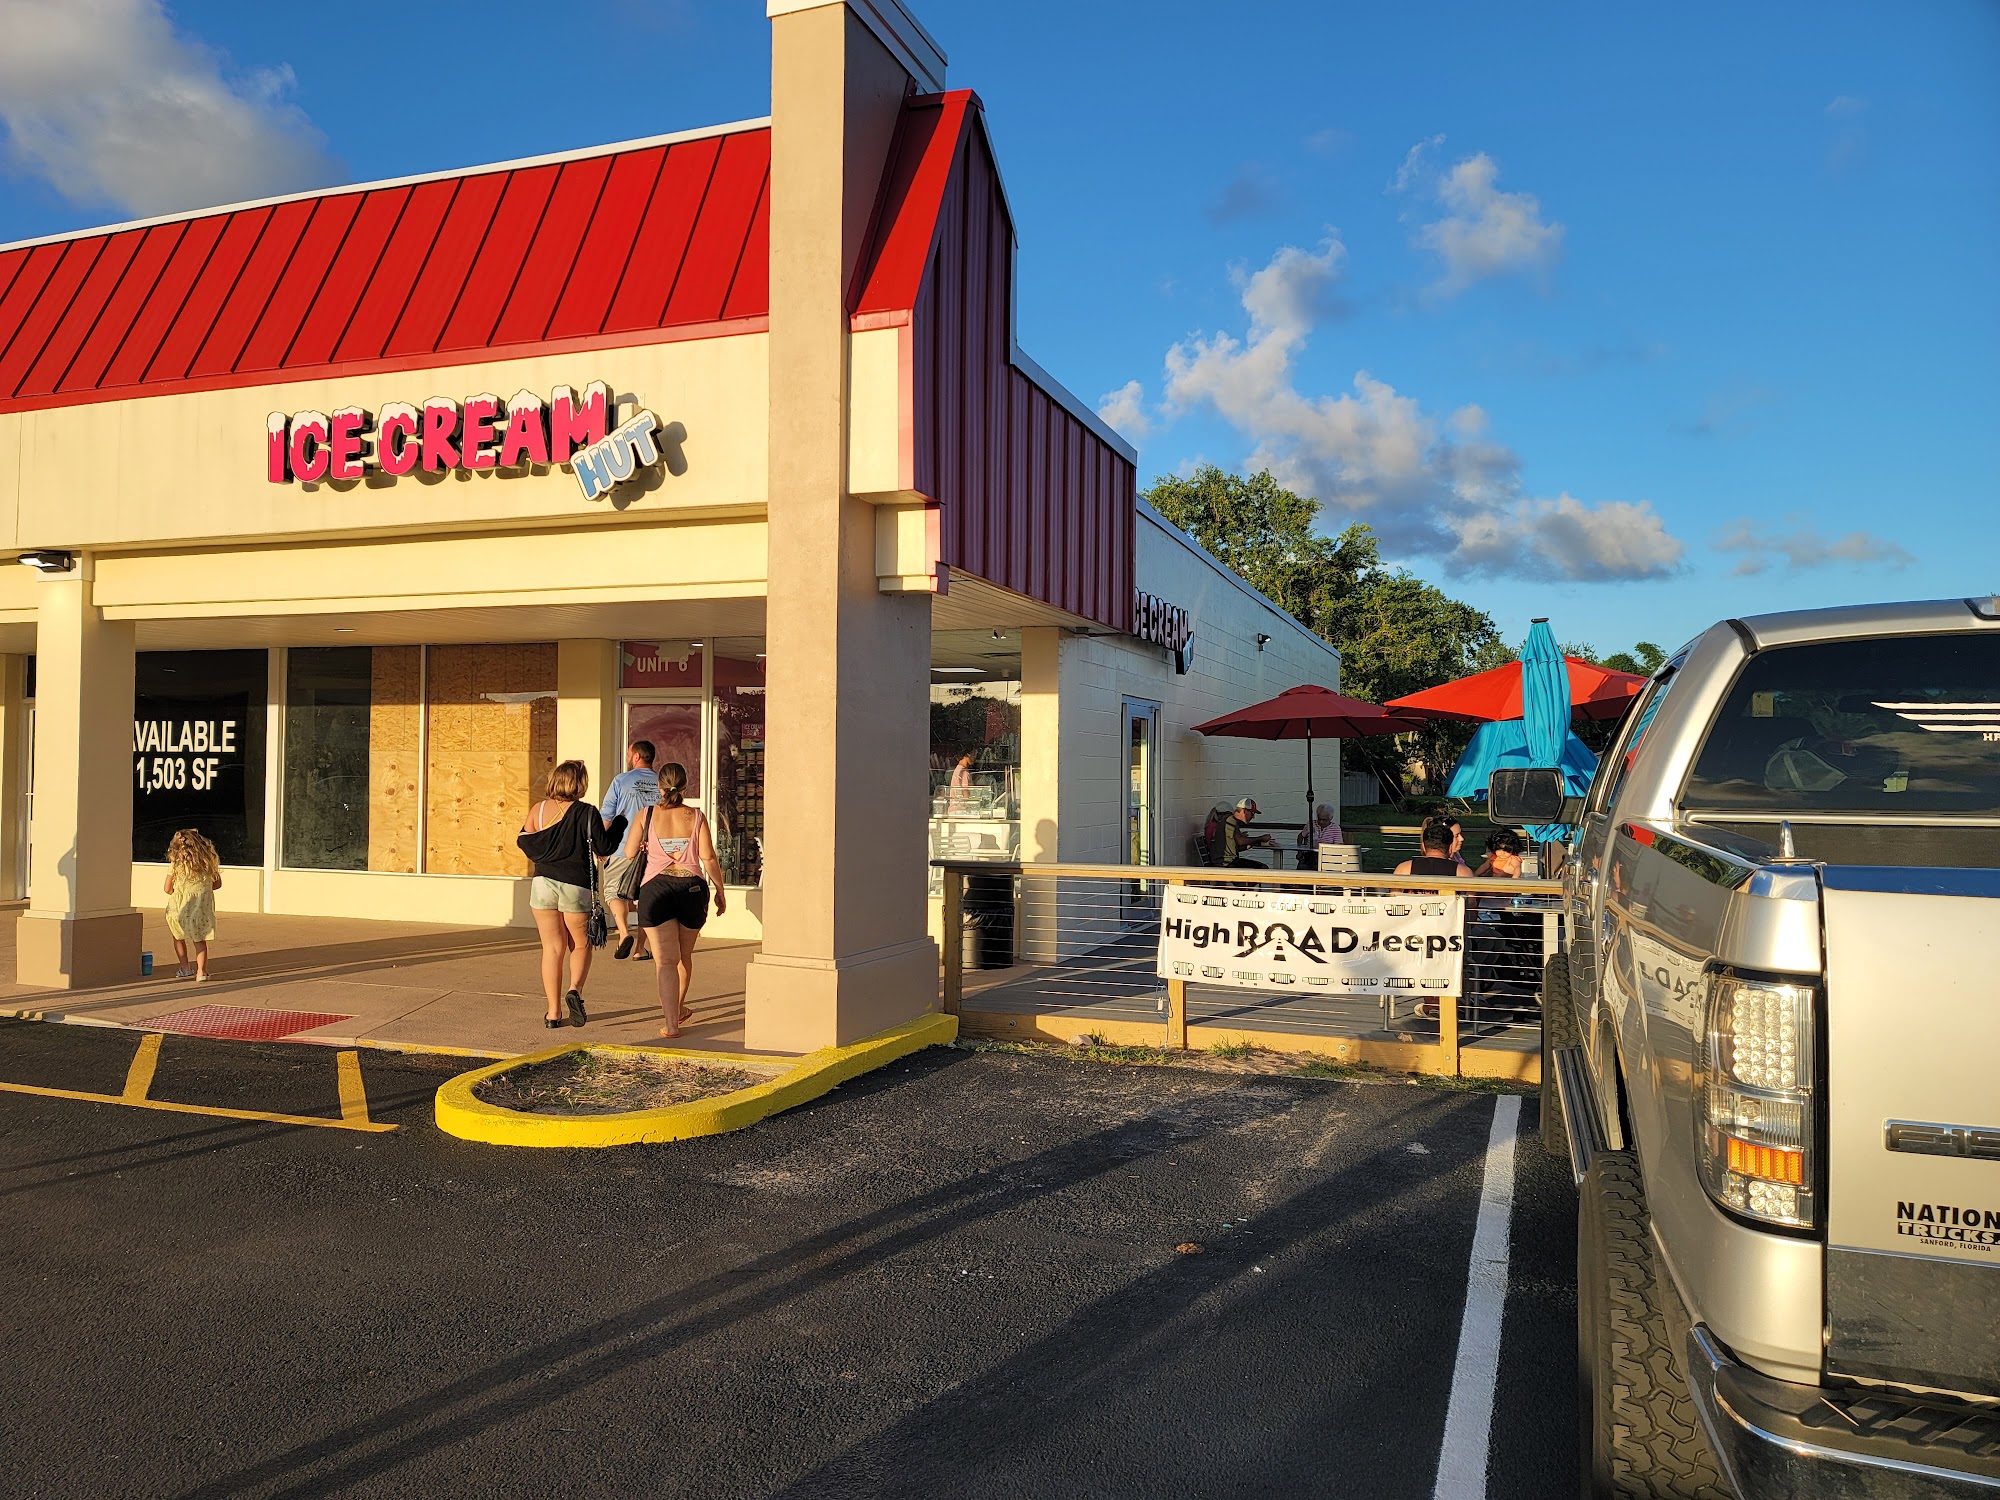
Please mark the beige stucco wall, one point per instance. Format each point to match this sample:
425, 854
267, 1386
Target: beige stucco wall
191, 467
1072, 730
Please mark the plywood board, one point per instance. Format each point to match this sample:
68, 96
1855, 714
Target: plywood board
491, 747
394, 739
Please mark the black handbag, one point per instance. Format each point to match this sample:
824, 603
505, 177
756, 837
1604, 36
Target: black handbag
597, 926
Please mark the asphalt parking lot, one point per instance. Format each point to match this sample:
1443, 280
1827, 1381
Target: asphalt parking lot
957, 1276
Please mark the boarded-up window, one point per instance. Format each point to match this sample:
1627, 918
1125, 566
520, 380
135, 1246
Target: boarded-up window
395, 756
491, 742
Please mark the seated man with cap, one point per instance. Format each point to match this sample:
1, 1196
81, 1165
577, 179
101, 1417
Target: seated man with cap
1234, 839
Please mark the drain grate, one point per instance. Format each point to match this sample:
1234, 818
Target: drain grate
239, 1023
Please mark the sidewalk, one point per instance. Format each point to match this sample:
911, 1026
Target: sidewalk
347, 982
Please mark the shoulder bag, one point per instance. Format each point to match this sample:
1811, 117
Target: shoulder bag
597, 926
628, 887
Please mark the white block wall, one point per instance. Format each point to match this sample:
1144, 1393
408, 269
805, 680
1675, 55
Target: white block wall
1227, 670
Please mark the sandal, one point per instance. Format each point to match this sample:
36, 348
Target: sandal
574, 1000
184, 972
552, 1022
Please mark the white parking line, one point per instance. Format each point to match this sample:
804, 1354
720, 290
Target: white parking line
1468, 1421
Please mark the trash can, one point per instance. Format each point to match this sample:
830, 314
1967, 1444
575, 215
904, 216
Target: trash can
971, 940
989, 913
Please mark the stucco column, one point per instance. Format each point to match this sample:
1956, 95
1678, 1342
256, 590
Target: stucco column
80, 928
13, 763
587, 721
846, 952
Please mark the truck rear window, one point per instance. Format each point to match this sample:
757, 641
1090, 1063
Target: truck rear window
1907, 724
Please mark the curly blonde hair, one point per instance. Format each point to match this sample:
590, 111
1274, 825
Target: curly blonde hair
192, 856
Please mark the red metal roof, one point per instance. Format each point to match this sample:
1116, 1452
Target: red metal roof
1033, 497
624, 246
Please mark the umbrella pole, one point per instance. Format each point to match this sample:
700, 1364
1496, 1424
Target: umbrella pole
1309, 779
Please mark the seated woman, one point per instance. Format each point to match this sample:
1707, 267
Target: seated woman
1436, 858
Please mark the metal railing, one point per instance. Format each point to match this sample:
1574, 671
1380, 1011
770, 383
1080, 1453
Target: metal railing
1068, 952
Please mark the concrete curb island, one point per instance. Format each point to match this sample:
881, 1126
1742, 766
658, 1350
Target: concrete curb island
459, 1113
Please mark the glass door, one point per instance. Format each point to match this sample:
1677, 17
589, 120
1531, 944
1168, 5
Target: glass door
673, 723
1142, 757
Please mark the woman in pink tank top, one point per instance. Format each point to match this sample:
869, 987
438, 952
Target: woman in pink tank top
672, 905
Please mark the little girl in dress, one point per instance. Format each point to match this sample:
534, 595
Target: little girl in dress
194, 875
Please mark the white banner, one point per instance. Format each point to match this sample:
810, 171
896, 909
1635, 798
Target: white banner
1353, 945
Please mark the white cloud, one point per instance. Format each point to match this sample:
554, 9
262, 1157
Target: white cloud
1429, 486
1802, 546
109, 103
1484, 232
1125, 409
1845, 107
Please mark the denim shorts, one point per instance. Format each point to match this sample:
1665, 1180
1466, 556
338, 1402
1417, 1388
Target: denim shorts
545, 894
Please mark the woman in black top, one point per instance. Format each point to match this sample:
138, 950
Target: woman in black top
562, 836
1436, 857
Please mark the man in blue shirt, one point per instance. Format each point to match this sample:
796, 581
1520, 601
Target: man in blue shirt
631, 792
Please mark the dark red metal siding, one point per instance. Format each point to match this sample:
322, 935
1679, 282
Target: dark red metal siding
1032, 498
625, 243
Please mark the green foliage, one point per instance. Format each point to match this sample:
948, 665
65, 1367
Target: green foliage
970, 723
1396, 633
1643, 660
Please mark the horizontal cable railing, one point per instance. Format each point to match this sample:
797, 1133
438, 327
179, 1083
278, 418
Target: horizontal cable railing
1070, 951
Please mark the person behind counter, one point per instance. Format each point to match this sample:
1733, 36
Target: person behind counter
563, 836
959, 794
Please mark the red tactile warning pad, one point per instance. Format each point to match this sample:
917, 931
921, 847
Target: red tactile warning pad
240, 1023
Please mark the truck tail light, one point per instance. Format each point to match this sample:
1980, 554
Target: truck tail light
1754, 1120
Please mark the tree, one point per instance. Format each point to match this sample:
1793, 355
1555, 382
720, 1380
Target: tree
1643, 660
1262, 531
1396, 634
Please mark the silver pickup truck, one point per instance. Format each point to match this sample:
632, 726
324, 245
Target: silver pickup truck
1772, 1053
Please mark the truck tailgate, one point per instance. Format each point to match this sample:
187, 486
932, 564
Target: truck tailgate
1913, 1150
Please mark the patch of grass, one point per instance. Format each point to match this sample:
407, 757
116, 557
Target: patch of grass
1234, 1051
1322, 1067
610, 1083
1097, 1049
993, 1044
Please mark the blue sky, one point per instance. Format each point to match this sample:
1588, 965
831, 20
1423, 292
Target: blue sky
1633, 318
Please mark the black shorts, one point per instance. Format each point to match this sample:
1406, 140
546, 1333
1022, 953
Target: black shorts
674, 898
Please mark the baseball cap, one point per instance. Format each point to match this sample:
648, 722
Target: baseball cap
1246, 804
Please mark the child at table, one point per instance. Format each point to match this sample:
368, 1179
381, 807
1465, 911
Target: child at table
194, 875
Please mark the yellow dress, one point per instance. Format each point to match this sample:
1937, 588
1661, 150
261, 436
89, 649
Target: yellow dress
191, 909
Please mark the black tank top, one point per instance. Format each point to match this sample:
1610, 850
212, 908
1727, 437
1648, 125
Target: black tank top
1432, 864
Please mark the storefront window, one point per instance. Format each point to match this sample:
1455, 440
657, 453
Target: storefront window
490, 743
198, 751
975, 770
328, 791
739, 771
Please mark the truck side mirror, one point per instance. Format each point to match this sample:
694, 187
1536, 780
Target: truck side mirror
1526, 796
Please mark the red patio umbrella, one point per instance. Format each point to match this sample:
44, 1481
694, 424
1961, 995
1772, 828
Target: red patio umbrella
1595, 692
1309, 713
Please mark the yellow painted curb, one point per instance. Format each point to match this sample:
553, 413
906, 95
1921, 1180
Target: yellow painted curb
460, 1114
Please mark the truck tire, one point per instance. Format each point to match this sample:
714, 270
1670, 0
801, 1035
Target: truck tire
1558, 1030
1640, 1437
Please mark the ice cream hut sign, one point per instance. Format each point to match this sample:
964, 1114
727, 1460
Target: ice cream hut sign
481, 433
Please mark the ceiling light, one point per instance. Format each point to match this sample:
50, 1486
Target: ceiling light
959, 671
50, 561
343, 630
